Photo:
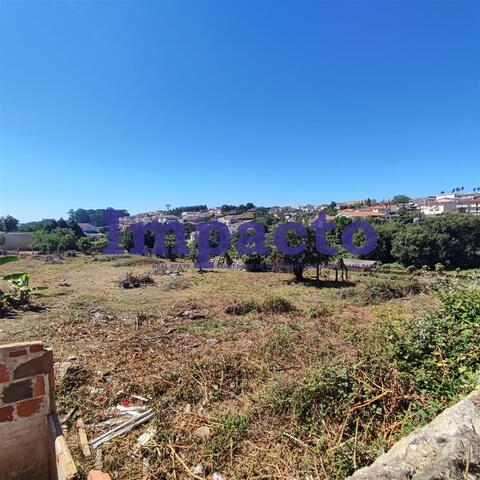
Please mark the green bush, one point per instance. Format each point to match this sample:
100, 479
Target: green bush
84, 245
441, 352
403, 374
450, 239
226, 437
254, 263
58, 240
317, 311
242, 307
379, 290
276, 304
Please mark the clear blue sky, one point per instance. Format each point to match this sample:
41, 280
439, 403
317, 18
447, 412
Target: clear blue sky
137, 104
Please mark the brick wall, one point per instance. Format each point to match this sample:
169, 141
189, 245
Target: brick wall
26, 381
26, 400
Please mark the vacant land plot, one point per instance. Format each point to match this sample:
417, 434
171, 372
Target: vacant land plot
250, 375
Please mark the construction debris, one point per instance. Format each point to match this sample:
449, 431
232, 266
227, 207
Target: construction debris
82, 435
134, 411
122, 428
98, 475
145, 437
67, 416
218, 476
99, 459
142, 399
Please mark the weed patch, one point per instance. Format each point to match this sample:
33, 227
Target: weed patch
277, 304
242, 307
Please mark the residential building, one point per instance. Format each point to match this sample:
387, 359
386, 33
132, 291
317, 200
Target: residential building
88, 228
438, 208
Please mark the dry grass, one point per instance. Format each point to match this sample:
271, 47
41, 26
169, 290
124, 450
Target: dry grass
174, 343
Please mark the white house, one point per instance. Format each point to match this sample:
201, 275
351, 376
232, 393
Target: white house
437, 208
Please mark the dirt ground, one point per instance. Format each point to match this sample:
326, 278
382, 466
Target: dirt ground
206, 373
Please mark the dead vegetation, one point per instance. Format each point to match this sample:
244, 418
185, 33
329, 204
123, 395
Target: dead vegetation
136, 280
248, 376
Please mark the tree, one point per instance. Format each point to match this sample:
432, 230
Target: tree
74, 227
149, 239
450, 239
60, 239
400, 199
61, 223
126, 239
84, 245
8, 224
298, 263
386, 234
332, 209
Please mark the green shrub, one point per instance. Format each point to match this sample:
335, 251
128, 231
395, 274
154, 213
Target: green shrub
441, 352
242, 307
402, 375
393, 266
84, 245
227, 435
59, 239
254, 263
381, 290
276, 304
317, 311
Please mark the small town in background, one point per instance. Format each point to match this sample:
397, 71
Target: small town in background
93, 224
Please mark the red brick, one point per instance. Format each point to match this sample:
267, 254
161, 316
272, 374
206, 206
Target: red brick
36, 366
4, 377
98, 475
18, 353
39, 386
29, 407
36, 347
6, 414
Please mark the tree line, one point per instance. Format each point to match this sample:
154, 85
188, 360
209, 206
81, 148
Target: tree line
452, 240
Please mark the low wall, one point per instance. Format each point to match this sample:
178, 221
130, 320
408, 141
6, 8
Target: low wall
32, 445
17, 240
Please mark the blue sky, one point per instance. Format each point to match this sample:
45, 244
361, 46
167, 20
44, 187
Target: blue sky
138, 104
